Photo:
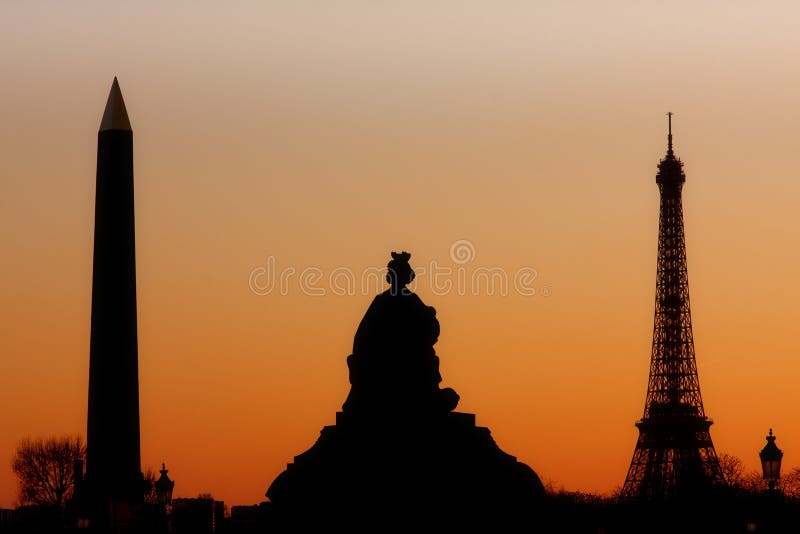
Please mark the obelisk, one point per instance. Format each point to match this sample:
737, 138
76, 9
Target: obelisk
114, 486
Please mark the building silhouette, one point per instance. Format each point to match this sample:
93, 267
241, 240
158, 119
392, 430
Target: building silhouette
113, 491
247, 518
201, 515
674, 455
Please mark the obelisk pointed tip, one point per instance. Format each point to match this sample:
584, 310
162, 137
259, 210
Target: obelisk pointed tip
115, 116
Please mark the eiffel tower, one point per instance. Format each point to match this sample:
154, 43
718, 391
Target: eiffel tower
674, 455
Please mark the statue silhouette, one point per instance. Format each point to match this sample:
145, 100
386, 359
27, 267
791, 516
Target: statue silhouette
399, 457
394, 366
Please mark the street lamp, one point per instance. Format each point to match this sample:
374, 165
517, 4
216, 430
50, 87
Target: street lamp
164, 487
771, 457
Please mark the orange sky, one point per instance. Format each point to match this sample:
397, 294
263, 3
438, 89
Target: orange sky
327, 136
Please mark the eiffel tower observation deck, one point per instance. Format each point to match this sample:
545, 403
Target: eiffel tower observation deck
674, 455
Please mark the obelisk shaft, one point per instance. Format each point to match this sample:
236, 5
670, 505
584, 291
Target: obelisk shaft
113, 470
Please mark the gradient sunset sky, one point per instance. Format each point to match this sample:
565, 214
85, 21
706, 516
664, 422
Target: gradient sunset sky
325, 135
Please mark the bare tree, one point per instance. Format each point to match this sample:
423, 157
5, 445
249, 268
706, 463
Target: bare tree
738, 477
790, 483
753, 482
149, 477
45, 467
732, 470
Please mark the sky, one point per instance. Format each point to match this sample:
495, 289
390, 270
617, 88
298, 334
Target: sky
307, 140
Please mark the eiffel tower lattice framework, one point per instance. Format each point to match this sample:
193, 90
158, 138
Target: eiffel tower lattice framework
674, 455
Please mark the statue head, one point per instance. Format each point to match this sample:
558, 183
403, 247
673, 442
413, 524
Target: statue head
400, 272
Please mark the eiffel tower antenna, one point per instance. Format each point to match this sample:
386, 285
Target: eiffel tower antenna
669, 135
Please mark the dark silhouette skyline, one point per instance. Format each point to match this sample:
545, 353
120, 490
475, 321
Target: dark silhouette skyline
327, 136
399, 454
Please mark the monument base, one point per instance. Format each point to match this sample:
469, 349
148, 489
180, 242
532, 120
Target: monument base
381, 470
